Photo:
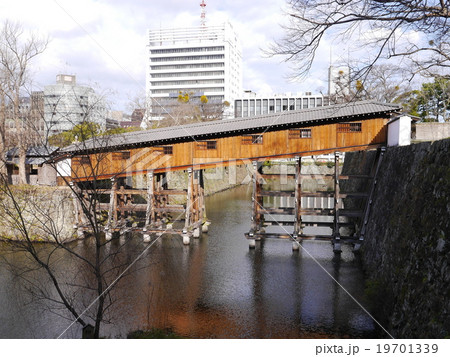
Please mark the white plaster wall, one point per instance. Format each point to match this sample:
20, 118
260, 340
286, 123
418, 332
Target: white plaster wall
399, 132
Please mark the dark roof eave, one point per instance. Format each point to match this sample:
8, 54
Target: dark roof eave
231, 132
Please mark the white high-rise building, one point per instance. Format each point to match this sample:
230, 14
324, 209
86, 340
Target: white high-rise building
204, 60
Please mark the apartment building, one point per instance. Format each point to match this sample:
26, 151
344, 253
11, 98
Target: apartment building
67, 104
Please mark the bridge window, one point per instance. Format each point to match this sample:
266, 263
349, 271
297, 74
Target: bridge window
81, 160
168, 150
122, 155
305, 133
349, 127
300, 134
207, 145
252, 139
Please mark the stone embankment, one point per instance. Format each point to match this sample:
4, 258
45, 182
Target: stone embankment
36, 212
406, 253
47, 213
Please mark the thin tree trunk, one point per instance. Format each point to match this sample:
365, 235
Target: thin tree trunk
3, 169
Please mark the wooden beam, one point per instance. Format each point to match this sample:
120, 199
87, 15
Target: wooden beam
189, 200
277, 194
298, 198
149, 209
337, 201
112, 207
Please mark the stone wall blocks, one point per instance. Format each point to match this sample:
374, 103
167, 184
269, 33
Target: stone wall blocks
406, 244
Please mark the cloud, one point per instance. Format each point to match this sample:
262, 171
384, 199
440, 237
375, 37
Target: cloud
104, 41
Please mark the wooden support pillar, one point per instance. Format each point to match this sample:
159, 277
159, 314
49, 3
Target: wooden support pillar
122, 202
188, 215
160, 201
336, 234
112, 212
149, 213
202, 203
164, 186
256, 196
297, 204
196, 204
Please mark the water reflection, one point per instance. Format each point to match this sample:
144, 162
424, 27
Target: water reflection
217, 287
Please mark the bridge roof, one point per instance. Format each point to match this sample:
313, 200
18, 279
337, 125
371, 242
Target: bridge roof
221, 128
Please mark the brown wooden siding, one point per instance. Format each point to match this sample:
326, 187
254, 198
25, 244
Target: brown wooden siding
275, 144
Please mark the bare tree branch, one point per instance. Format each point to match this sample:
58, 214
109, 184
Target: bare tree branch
416, 32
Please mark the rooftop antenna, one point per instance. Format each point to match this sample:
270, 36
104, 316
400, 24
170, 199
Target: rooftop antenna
203, 14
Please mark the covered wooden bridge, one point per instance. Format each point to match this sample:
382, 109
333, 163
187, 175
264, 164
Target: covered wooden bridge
195, 147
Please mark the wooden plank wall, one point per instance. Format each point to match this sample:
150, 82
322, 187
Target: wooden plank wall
282, 143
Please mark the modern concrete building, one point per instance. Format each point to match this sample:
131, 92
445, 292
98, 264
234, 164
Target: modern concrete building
251, 104
200, 61
67, 104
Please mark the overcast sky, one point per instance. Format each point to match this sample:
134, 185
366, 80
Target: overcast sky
103, 42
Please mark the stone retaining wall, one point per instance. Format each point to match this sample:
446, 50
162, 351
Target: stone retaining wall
406, 253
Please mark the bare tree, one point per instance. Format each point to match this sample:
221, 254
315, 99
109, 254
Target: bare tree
3, 144
383, 84
190, 108
85, 295
16, 54
414, 32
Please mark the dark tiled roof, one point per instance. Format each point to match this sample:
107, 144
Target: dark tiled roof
220, 128
36, 155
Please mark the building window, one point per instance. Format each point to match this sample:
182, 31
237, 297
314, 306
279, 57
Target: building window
305, 133
211, 145
252, 139
168, 150
291, 104
207, 145
349, 127
238, 109
187, 58
122, 155
258, 106
81, 160
265, 108
299, 133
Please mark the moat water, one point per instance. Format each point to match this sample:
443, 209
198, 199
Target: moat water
214, 288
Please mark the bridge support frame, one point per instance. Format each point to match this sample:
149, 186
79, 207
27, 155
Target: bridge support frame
304, 215
162, 215
257, 201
